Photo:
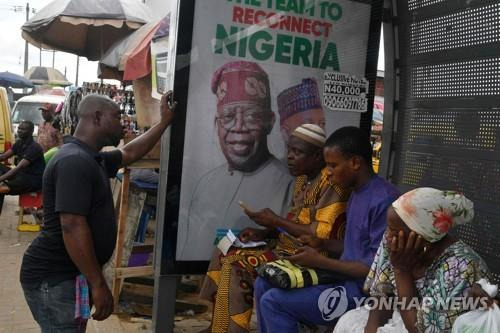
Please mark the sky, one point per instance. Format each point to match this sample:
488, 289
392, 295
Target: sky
12, 46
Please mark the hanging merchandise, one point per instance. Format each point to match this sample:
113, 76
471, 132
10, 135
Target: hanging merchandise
126, 101
69, 116
123, 97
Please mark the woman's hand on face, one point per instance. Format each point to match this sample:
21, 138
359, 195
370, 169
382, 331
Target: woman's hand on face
406, 252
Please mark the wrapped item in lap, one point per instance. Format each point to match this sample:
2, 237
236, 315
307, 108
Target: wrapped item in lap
284, 274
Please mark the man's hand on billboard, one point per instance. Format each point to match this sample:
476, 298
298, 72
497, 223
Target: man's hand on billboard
140, 146
167, 107
265, 217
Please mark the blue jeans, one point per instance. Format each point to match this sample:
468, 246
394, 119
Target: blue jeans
53, 307
281, 310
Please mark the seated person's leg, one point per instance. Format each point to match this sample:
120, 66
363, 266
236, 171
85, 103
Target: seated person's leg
261, 286
229, 285
211, 281
2, 196
281, 310
4, 188
16, 185
3, 168
19, 184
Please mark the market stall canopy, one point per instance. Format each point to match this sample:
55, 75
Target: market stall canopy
138, 63
85, 27
112, 64
130, 58
46, 76
8, 79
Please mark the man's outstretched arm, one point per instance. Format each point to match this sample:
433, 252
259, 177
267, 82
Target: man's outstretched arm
140, 146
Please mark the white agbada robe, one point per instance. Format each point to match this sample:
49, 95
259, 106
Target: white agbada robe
215, 204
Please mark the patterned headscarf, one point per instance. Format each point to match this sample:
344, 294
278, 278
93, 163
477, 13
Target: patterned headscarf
431, 213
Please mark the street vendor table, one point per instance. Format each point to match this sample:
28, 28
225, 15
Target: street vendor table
120, 273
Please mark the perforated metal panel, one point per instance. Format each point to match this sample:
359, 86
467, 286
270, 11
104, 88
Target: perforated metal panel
469, 78
470, 27
447, 133
415, 4
473, 177
458, 128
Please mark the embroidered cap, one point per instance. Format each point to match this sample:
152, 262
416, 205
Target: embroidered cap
239, 81
299, 98
311, 133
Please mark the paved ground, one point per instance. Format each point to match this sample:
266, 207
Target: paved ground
14, 312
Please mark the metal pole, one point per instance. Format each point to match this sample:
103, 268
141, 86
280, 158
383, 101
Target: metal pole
77, 69
165, 283
26, 42
165, 286
391, 81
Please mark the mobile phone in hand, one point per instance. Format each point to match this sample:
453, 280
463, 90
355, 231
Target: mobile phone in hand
170, 101
242, 205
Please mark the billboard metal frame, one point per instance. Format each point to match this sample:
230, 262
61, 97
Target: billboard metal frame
167, 269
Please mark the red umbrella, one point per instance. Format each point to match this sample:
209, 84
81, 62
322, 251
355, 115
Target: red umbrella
130, 58
138, 62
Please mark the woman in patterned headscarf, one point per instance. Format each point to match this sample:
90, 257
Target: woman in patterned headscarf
419, 260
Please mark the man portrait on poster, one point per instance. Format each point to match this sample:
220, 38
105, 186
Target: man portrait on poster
300, 104
251, 174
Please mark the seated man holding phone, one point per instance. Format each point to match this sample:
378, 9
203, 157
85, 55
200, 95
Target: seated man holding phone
318, 209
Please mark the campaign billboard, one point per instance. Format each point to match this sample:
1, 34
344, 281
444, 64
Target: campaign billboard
257, 70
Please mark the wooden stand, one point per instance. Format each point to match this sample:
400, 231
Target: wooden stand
120, 273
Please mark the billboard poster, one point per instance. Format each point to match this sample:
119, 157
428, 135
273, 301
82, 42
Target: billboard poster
260, 68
